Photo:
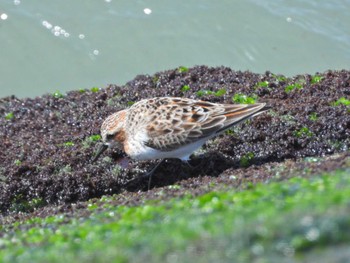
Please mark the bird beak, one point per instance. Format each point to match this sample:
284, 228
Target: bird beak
102, 148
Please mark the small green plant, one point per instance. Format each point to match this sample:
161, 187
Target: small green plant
185, 88
57, 94
294, 86
82, 90
313, 116
130, 103
174, 187
336, 144
288, 118
201, 93
20, 204
107, 160
316, 79
219, 93
246, 159
36, 203
262, 84
304, 131
9, 116
95, 89
117, 169
68, 144
115, 100
244, 99
155, 79
341, 101
229, 132
182, 69
94, 138
311, 159
66, 169
90, 140
92, 207
279, 78
17, 162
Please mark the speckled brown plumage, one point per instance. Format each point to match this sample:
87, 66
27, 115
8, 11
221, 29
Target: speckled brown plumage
168, 127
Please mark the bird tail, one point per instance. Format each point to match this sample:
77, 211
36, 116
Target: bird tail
241, 113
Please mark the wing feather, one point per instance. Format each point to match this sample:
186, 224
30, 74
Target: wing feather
179, 121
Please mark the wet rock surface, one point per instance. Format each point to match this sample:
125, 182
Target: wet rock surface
47, 143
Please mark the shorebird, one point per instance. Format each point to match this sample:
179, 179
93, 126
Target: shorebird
167, 127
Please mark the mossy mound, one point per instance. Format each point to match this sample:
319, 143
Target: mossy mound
47, 143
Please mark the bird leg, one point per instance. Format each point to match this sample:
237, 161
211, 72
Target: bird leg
188, 164
150, 173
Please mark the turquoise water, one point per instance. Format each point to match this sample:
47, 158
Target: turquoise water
65, 45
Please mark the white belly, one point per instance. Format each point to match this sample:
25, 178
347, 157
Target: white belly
139, 151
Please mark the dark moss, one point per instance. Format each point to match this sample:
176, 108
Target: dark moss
35, 166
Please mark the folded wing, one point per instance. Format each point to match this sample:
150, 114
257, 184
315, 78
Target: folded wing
180, 121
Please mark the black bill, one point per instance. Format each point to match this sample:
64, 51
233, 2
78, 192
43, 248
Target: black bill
102, 148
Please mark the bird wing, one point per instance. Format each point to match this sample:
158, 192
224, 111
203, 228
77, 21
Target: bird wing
179, 121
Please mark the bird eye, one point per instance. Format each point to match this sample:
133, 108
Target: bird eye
109, 137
